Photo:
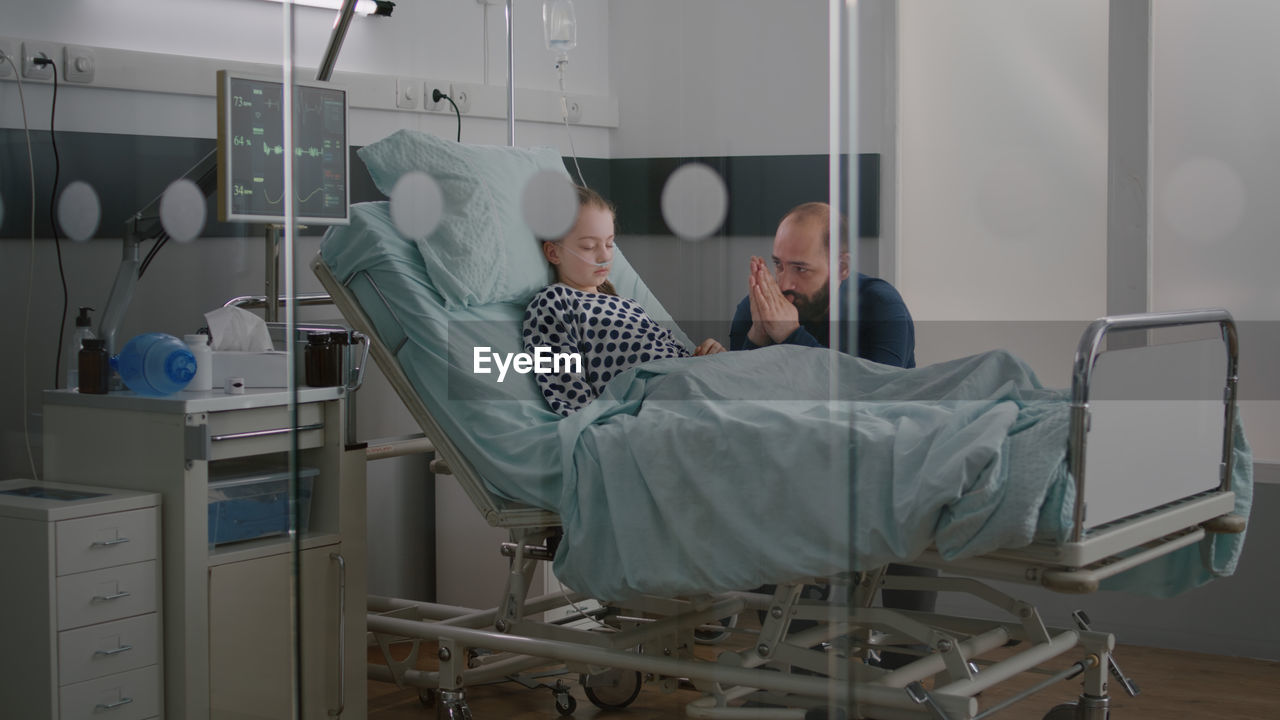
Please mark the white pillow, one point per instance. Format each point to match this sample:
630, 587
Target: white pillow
482, 251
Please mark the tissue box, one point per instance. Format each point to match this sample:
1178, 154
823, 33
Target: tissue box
259, 369
250, 506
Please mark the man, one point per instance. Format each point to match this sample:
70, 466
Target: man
792, 309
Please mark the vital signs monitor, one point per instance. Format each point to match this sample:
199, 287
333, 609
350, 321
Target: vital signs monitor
251, 151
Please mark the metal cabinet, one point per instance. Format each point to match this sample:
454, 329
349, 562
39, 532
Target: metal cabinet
80, 609
229, 609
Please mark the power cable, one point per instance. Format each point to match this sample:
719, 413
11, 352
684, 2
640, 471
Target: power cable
53, 220
31, 272
437, 96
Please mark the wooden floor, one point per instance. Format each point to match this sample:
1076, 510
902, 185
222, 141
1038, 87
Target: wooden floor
1173, 685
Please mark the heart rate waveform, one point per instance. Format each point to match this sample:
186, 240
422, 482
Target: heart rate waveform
260, 156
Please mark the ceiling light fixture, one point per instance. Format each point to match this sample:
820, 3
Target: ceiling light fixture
363, 7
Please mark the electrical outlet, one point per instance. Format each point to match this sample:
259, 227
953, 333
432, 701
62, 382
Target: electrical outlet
461, 97
31, 51
8, 49
573, 110
78, 64
428, 91
407, 92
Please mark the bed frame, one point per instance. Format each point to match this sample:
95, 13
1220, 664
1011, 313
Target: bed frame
824, 663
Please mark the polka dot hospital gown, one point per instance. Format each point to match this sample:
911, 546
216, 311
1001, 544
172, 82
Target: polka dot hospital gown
611, 333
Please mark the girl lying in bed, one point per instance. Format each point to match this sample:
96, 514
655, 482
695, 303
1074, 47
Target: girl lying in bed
581, 313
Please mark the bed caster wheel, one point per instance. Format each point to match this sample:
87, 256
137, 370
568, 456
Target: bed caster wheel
426, 697
566, 704
1066, 711
613, 689
715, 637
453, 706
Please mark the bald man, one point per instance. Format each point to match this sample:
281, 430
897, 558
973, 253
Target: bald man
791, 308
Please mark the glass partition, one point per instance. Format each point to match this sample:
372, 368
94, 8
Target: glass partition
573, 342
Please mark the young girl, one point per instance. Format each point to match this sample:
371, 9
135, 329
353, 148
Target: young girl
581, 313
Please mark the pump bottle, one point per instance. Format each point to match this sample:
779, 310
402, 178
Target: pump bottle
84, 331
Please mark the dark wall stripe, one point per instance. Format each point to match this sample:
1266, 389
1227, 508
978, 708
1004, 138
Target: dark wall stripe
129, 171
762, 188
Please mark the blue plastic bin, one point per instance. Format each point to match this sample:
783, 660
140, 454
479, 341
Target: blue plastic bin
247, 505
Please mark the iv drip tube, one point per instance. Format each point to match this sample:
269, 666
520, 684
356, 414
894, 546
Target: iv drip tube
511, 78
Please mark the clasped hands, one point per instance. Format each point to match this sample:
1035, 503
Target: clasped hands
773, 317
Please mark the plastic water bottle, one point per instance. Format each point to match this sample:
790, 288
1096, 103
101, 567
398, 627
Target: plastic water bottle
198, 344
155, 364
84, 331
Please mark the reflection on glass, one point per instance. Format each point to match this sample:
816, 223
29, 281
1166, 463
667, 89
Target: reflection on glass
182, 210
417, 205
549, 204
79, 211
694, 201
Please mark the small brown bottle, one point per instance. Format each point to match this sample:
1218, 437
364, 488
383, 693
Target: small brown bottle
95, 367
322, 360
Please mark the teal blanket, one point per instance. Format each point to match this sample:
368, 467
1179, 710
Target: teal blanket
734, 470
730, 471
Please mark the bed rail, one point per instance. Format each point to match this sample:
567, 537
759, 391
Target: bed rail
1090, 348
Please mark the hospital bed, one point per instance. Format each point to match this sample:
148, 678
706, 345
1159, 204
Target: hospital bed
1146, 486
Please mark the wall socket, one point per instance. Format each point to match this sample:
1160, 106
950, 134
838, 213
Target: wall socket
573, 110
33, 50
9, 49
461, 97
429, 90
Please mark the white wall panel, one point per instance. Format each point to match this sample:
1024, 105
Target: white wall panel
1003, 169
719, 77
1216, 175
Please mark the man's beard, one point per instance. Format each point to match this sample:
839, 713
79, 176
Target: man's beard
811, 308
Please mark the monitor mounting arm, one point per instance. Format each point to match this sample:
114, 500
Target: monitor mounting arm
145, 224
140, 227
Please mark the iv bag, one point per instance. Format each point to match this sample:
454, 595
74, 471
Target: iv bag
559, 26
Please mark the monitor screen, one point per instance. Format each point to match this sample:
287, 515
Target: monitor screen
251, 151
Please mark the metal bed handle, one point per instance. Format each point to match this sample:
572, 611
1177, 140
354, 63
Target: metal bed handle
1089, 350
355, 376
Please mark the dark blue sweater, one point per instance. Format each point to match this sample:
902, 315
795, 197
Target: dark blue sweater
885, 331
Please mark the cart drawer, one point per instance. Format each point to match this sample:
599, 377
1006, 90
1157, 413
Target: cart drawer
101, 541
264, 430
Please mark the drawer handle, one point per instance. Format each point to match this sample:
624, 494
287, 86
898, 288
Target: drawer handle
113, 706
265, 433
116, 651
109, 543
112, 596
